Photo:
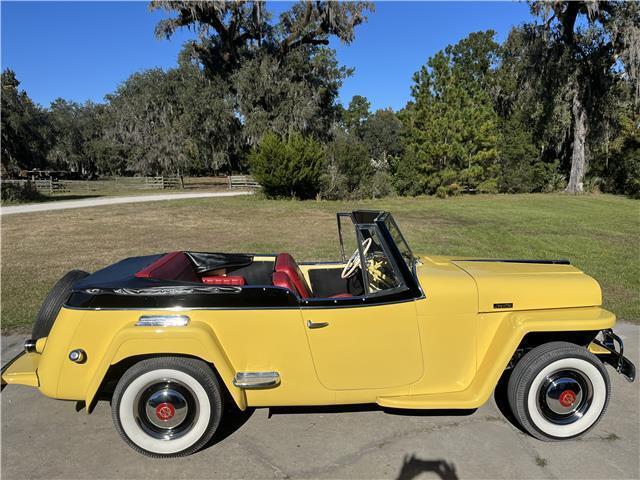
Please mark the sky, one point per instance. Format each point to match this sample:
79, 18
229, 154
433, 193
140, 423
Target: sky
83, 50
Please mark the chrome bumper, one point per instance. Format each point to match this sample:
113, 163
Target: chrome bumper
616, 358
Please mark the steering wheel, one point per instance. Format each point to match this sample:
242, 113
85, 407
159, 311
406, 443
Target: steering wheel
354, 261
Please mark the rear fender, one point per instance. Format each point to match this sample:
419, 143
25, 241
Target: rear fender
195, 340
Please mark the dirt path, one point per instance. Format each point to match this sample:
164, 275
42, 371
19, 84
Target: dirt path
97, 202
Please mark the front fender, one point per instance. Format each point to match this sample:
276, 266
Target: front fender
196, 339
505, 339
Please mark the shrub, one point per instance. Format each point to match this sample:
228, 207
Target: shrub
592, 184
557, 182
441, 192
20, 192
288, 168
350, 169
488, 186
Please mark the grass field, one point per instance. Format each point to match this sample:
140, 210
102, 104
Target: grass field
599, 234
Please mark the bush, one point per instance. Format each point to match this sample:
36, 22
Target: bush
288, 168
557, 182
350, 169
20, 192
488, 186
592, 184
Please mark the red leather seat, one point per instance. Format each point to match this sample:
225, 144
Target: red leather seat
172, 266
285, 264
280, 279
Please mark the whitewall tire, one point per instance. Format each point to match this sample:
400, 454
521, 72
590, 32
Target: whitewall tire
167, 406
558, 391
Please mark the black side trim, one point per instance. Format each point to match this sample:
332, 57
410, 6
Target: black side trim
246, 297
403, 295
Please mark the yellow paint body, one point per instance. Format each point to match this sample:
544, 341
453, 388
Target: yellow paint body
444, 350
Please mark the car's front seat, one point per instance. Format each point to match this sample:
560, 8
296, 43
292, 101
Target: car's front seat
285, 264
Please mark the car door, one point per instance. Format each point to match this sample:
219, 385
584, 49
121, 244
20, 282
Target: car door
367, 342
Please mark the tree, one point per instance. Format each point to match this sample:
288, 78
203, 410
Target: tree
24, 128
452, 128
356, 114
350, 167
382, 134
281, 76
584, 62
228, 32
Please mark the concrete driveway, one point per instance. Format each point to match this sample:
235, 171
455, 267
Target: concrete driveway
44, 438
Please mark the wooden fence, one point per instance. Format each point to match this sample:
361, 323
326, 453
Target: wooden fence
49, 185
242, 181
164, 182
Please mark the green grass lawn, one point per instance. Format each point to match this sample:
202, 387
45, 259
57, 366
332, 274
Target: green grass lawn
599, 234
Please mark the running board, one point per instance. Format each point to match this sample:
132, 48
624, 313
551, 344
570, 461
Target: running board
251, 380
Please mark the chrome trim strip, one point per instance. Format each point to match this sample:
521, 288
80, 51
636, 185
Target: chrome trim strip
256, 380
292, 307
162, 321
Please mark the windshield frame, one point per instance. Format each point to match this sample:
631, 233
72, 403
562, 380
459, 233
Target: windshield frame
401, 243
381, 221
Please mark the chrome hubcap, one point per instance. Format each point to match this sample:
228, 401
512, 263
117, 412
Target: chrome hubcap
565, 396
166, 409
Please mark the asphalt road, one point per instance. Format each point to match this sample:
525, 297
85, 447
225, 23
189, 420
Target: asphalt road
44, 438
97, 202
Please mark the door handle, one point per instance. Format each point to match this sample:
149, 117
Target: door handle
311, 324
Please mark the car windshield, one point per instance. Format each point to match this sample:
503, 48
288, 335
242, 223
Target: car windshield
400, 242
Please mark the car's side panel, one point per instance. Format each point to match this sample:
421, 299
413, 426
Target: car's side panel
251, 340
55, 353
512, 327
448, 321
272, 340
365, 347
109, 336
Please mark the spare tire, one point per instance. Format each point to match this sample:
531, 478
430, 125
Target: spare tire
53, 303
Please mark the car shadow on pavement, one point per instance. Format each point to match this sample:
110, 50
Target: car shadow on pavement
232, 420
413, 467
370, 407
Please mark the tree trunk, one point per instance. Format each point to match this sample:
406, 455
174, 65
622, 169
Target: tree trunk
578, 156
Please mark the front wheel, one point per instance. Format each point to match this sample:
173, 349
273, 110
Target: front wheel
167, 406
558, 391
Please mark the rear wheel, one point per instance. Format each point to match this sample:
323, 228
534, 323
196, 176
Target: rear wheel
53, 303
558, 391
167, 406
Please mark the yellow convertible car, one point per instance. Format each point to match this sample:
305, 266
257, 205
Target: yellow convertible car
170, 338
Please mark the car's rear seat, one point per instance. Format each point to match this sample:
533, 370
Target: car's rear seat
177, 266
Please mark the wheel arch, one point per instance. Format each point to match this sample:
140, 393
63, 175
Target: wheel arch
534, 339
133, 344
116, 370
573, 325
